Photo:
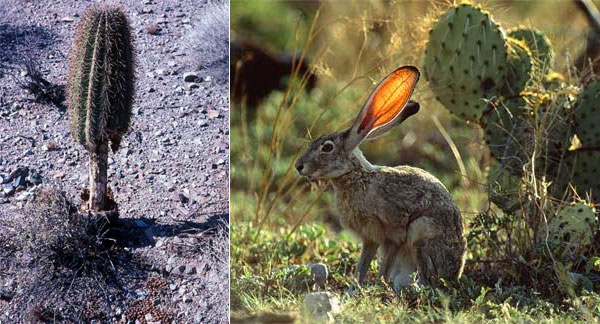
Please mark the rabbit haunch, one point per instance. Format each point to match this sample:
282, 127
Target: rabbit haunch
404, 212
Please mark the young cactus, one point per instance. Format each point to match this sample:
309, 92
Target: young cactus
101, 89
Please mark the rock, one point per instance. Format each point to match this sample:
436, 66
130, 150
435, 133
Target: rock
148, 317
34, 178
19, 172
180, 270
8, 189
152, 30
190, 77
183, 198
140, 223
190, 269
319, 273
322, 306
50, 146
213, 114
26, 195
149, 233
19, 181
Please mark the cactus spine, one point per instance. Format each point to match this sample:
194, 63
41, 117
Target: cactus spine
101, 89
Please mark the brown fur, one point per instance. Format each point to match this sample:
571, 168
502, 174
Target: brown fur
404, 210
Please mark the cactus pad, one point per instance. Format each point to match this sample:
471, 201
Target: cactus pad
585, 166
574, 224
538, 44
520, 67
101, 77
465, 60
587, 115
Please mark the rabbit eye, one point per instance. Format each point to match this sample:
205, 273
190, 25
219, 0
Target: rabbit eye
327, 146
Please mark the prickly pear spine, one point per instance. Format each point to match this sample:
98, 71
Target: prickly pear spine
101, 89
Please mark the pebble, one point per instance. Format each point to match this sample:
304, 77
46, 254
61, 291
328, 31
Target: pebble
8, 188
180, 270
26, 195
322, 306
190, 269
319, 273
34, 178
140, 223
213, 114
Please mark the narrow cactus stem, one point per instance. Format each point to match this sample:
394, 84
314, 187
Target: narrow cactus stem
98, 176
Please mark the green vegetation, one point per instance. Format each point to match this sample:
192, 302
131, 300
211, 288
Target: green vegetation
532, 256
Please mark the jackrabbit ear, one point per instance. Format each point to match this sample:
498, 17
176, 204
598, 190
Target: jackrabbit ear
386, 107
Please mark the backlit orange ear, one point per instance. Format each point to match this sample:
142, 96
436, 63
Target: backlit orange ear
389, 99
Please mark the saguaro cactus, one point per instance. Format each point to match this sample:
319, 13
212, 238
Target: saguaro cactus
101, 89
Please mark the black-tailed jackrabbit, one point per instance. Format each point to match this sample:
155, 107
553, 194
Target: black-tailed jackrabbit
404, 210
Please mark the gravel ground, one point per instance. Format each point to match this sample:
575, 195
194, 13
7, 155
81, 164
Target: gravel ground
170, 176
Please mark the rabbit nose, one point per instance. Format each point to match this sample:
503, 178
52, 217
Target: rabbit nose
299, 167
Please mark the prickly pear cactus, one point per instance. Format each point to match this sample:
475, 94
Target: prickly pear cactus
101, 88
520, 67
538, 44
552, 119
574, 225
507, 133
504, 188
587, 115
465, 60
585, 168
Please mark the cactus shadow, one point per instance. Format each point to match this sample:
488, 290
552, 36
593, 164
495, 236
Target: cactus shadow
143, 232
20, 41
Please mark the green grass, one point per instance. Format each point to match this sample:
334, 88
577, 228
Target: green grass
261, 284
278, 219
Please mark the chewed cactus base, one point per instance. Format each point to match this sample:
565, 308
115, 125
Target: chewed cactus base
111, 208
